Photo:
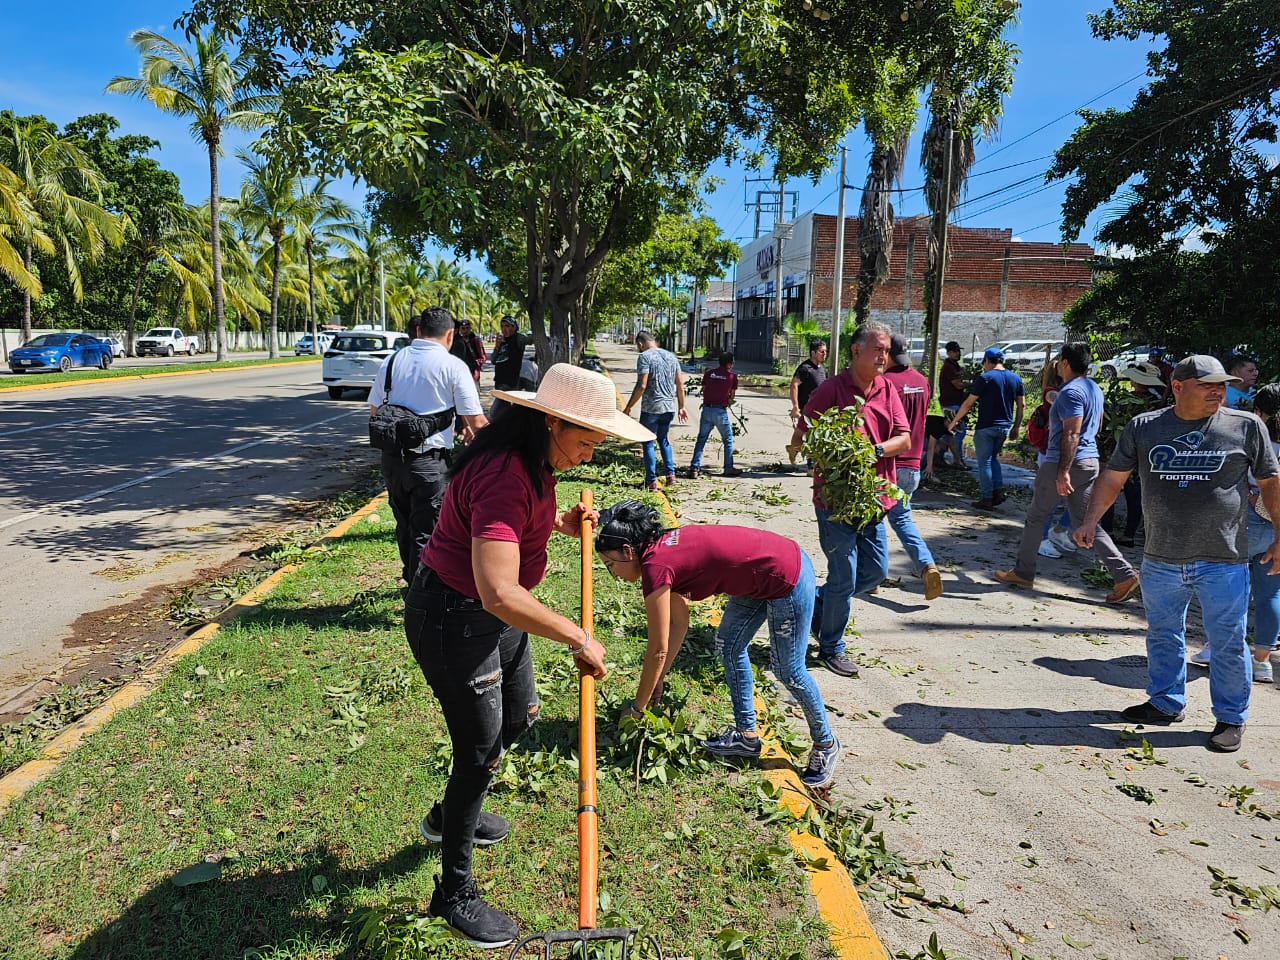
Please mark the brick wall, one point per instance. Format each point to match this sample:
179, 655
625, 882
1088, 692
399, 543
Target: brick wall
995, 288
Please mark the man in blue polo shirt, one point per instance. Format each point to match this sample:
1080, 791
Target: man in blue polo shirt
1069, 469
999, 395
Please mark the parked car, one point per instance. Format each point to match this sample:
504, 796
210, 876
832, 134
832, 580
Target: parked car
305, 346
116, 345
60, 351
353, 359
165, 342
1031, 356
915, 350
1124, 358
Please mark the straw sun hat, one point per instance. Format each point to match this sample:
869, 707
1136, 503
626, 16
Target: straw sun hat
582, 397
1146, 374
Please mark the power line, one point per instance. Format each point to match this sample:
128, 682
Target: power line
1069, 113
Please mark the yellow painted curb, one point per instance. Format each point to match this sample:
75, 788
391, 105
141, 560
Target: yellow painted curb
18, 782
28, 387
851, 934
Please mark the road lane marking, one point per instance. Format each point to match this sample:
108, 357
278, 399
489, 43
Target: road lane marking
160, 474
48, 426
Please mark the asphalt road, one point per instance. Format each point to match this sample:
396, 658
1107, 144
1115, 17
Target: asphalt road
113, 491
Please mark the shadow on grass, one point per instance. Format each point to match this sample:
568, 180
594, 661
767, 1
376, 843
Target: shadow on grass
273, 912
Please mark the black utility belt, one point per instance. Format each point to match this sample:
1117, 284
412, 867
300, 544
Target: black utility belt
434, 453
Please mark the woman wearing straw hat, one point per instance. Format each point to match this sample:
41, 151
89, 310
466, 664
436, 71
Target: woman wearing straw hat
469, 612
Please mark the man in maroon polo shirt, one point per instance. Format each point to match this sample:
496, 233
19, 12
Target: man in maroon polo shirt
718, 389
857, 557
913, 389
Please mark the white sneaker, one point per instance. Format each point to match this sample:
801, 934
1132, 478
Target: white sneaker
1047, 549
1200, 659
1262, 672
1062, 539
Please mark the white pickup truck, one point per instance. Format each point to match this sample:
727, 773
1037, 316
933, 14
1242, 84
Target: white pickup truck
165, 342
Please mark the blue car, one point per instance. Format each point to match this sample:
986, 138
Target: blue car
60, 351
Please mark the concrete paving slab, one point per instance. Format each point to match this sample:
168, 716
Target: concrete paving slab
989, 717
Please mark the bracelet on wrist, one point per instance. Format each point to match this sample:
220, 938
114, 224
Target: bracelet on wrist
586, 639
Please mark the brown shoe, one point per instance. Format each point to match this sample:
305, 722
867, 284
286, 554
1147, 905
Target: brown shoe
932, 582
793, 450
1011, 578
1124, 590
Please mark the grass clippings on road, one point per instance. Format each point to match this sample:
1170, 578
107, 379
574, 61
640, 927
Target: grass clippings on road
295, 753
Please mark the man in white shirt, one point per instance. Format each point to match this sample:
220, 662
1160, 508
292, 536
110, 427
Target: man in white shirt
426, 378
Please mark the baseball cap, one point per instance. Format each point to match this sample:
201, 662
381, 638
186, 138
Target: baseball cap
994, 355
898, 351
1202, 367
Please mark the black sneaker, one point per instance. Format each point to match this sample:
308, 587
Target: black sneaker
1149, 713
840, 664
1226, 737
984, 503
998, 497
472, 919
490, 829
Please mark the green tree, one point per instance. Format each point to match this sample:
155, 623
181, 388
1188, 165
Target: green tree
207, 85
539, 136
1195, 150
62, 191
149, 196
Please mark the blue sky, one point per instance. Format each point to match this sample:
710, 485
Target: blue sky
59, 56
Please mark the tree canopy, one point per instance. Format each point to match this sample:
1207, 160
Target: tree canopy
539, 135
1193, 155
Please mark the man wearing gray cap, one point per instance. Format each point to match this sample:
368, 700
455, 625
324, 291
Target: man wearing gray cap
1194, 459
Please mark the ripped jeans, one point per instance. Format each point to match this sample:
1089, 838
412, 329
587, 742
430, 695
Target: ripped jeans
481, 671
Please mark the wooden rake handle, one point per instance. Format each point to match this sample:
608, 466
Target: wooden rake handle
588, 822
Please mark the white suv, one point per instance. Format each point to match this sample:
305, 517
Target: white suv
353, 359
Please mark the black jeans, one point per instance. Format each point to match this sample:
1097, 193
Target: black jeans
481, 671
415, 490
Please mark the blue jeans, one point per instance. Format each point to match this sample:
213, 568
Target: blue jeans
788, 618
961, 428
857, 561
902, 524
987, 444
659, 423
1223, 591
1266, 588
717, 418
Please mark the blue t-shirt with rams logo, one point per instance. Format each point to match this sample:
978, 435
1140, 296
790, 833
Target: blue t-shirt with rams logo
1195, 481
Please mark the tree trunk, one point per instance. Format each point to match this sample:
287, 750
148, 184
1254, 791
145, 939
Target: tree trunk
26, 296
311, 300
273, 349
215, 238
131, 327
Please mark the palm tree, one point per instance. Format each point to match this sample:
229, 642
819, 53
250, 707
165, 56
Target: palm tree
209, 86
18, 221
369, 250
320, 220
875, 223
56, 181
175, 225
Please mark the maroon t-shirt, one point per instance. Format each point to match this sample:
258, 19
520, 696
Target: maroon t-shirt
491, 498
949, 395
718, 386
703, 560
883, 418
913, 391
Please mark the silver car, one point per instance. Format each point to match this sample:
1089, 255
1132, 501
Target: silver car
353, 359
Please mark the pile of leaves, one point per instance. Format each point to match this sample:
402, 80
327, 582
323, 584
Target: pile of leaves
846, 460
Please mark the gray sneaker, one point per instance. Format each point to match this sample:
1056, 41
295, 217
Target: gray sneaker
822, 765
840, 664
1226, 737
490, 829
731, 743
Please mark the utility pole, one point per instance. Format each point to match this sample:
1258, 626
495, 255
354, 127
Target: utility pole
837, 289
777, 267
382, 293
934, 315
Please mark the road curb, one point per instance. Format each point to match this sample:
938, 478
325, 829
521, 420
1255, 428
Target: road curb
13, 785
28, 387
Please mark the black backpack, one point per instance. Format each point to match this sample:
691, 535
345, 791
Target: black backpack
397, 429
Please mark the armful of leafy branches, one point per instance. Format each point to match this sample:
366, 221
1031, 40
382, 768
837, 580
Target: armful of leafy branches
846, 459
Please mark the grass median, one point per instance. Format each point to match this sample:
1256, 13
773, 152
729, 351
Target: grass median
289, 761
117, 373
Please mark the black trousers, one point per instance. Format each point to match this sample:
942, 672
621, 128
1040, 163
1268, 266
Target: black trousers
415, 490
481, 671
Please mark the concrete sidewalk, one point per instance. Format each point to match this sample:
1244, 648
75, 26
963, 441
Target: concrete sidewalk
986, 725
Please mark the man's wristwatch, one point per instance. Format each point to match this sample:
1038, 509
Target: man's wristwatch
879, 449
